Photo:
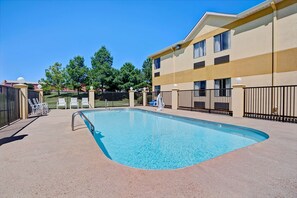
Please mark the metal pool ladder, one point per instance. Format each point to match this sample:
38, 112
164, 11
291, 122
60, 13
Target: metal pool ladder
82, 115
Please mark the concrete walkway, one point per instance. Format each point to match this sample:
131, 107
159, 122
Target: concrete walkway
53, 161
15, 127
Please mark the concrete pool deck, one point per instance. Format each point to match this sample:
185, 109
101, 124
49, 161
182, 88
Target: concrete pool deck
54, 161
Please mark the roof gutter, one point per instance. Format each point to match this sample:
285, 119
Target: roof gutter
261, 6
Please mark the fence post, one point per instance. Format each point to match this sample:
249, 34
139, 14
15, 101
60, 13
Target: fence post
40, 91
131, 97
23, 100
174, 99
238, 100
144, 98
92, 98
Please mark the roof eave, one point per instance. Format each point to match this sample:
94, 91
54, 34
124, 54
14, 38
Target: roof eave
167, 48
203, 18
257, 8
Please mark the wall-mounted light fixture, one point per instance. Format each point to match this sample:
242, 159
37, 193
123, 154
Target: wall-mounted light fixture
178, 46
21, 80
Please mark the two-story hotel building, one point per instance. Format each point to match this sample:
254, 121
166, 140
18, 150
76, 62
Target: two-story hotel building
257, 47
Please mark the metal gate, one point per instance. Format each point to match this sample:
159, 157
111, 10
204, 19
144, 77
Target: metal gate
9, 105
112, 99
271, 103
206, 100
167, 98
32, 94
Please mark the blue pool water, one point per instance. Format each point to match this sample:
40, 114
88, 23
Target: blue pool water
149, 140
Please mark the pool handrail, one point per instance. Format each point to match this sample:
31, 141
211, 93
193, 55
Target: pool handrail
82, 115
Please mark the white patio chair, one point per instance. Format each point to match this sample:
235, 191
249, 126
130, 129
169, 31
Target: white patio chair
61, 103
43, 106
36, 109
43, 103
85, 102
37, 100
73, 102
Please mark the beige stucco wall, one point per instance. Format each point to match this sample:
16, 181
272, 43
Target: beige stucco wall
166, 64
286, 78
180, 86
283, 78
286, 28
211, 23
252, 39
249, 81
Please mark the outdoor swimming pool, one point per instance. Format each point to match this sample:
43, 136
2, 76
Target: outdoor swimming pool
151, 140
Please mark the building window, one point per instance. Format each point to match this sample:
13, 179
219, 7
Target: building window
157, 63
223, 87
199, 49
222, 59
200, 86
157, 88
200, 64
222, 41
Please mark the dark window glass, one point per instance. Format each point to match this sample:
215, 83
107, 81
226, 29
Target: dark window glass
157, 63
200, 86
222, 41
222, 87
157, 74
157, 88
199, 49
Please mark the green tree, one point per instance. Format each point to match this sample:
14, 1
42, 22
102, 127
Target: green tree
102, 73
128, 77
114, 85
45, 87
30, 86
77, 73
55, 77
147, 71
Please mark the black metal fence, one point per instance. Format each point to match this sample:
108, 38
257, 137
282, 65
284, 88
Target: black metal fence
206, 100
151, 98
52, 98
112, 99
9, 105
271, 103
32, 94
138, 98
167, 98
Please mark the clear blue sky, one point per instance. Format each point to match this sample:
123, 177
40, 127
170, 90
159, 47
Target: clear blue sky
35, 34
